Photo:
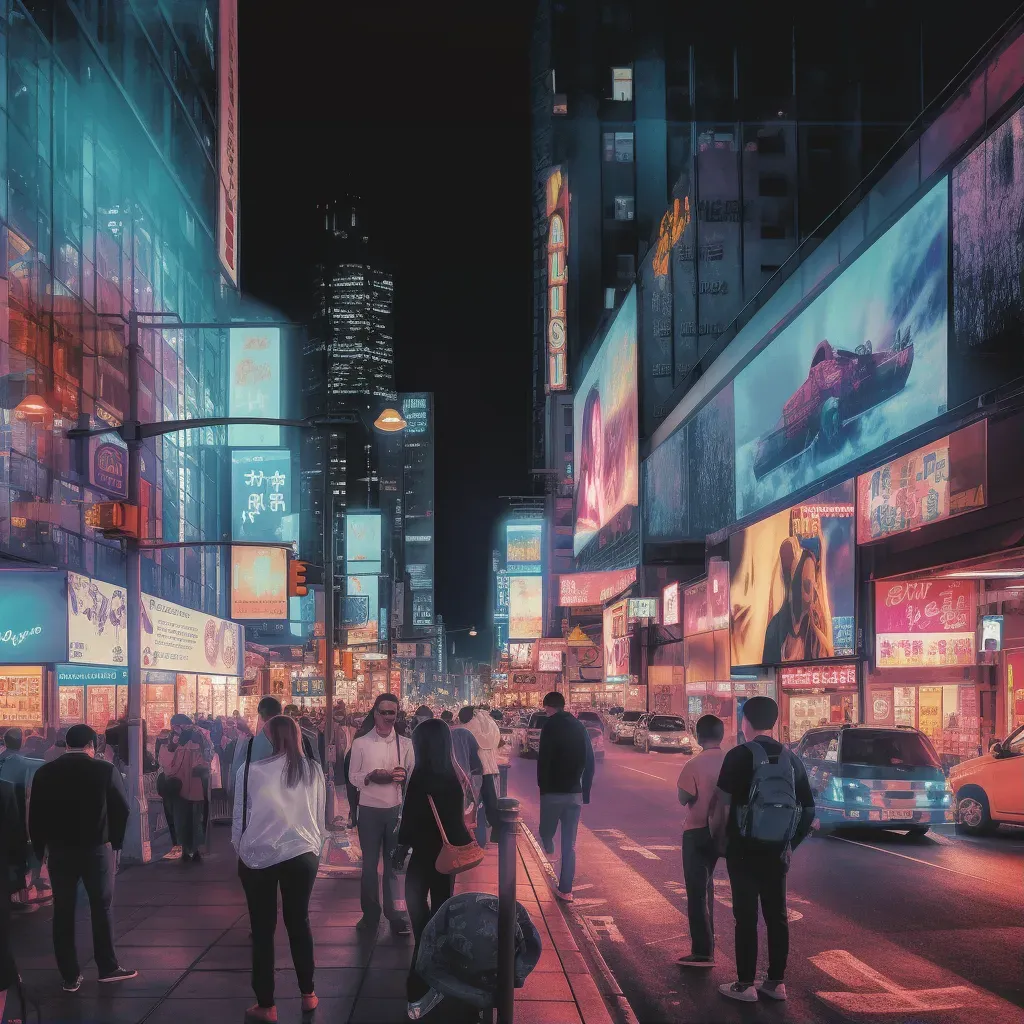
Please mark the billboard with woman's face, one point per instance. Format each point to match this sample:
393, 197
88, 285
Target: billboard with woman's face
605, 450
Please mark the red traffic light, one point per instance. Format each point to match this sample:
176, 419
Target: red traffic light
297, 578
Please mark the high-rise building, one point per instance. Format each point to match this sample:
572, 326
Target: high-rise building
418, 531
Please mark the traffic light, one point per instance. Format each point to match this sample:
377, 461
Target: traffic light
297, 578
114, 518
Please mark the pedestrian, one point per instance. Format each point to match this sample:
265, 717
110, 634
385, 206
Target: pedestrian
268, 708
447, 717
14, 870
59, 746
763, 811
466, 749
13, 739
488, 738
380, 765
423, 714
696, 788
565, 773
310, 743
434, 786
277, 831
77, 817
188, 768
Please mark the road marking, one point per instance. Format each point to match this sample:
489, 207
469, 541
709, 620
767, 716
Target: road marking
652, 847
916, 860
894, 998
723, 894
670, 938
648, 774
603, 928
589, 901
585, 885
626, 844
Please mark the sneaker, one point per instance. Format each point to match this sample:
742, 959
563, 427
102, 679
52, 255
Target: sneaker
73, 986
310, 1002
174, 853
120, 974
565, 897
400, 927
261, 1014
549, 849
773, 990
696, 961
419, 1009
740, 992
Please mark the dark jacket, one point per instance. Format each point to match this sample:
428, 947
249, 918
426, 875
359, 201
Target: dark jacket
565, 760
418, 828
13, 841
77, 801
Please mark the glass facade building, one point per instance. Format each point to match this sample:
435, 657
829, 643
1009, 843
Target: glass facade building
108, 156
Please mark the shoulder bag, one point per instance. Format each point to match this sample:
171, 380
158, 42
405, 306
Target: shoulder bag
453, 860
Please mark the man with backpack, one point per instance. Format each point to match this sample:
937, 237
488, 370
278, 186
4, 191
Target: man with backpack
764, 810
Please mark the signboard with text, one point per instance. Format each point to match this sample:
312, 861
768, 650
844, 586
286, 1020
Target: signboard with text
925, 622
589, 588
670, 605
255, 385
180, 639
363, 542
97, 615
261, 495
557, 209
33, 617
259, 583
818, 677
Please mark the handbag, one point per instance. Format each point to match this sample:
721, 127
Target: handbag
167, 786
453, 860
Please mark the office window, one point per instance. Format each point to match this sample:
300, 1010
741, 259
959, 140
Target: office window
624, 207
622, 84
568, 443
609, 298
561, 104
618, 147
567, 416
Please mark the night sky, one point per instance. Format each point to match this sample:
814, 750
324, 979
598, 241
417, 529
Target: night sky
426, 115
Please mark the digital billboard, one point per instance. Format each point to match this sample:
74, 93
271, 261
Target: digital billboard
501, 596
261, 495
615, 630
259, 583
557, 209
180, 639
227, 135
525, 607
33, 617
665, 504
523, 548
97, 622
863, 364
605, 449
925, 623
255, 385
711, 465
363, 542
579, 589
369, 587
791, 586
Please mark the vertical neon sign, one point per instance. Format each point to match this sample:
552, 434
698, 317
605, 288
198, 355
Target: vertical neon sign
557, 193
227, 138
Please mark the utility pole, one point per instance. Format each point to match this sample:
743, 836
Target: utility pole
329, 627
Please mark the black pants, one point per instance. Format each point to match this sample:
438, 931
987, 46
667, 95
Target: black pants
8, 968
296, 878
94, 866
489, 798
759, 877
699, 860
423, 880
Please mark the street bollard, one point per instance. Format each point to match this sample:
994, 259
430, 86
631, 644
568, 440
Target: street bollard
508, 815
502, 780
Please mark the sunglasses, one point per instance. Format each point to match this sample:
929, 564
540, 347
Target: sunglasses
387, 714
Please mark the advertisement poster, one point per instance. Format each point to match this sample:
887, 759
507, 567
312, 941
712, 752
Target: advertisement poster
261, 495
863, 364
808, 713
259, 583
523, 548
880, 703
255, 385
580, 589
108, 464
33, 617
21, 697
363, 542
369, 631
1014, 677
71, 705
605, 445
501, 596
616, 643
556, 191
792, 583
180, 639
670, 605
943, 479
97, 622
525, 607
925, 623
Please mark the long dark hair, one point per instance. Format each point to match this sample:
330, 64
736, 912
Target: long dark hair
432, 747
285, 737
368, 722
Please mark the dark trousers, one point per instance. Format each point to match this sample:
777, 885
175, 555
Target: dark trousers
189, 824
423, 880
759, 877
295, 878
489, 798
376, 831
8, 968
94, 866
699, 860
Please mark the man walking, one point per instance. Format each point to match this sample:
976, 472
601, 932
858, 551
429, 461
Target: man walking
381, 763
488, 736
78, 815
565, 772
696, 787
763, 811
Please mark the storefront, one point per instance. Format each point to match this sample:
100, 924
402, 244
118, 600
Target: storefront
91, 694
815, 695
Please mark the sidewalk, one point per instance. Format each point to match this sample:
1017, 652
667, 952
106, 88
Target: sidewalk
185, 928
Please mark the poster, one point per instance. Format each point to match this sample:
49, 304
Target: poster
259, 583
791, 583
862, 364
363, 542
101, 705
97, 622
808, 713
261, 496
71, 704
605, 447
33, 617
929, 711
21, 697
670, 605
255, 385
178, 638
925, 622
526, 607
523, 548
881, 706
615, 632
368, 631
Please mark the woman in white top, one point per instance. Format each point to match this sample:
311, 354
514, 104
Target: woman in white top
277, 832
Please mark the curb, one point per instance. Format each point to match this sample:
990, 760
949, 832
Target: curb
609, 991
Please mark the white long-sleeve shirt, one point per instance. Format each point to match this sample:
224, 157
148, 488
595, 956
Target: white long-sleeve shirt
374, 751
488, 736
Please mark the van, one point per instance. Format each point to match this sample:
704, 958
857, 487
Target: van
989, 790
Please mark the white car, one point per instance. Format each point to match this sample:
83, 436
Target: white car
622, 730
663, 732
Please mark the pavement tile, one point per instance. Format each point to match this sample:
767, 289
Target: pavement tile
377, 1011
391, 956
170, 936
539, 1012
334, 918
231, 1010
592, 1006
548, 962
547, 986
383, 982
74, 1009
160, 957
226, 958
573, 962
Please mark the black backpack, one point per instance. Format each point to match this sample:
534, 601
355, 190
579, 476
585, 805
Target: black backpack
772, 811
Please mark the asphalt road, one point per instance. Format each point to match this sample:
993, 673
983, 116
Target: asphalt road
885, 927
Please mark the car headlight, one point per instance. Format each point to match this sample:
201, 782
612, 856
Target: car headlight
940, 791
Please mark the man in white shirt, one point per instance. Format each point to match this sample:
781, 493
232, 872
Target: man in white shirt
380, 765
488, 736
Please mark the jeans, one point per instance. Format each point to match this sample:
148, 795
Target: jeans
189, 824
699, 859
296, 878
561, 809
376, 829
759, 877
94, 866
422, 880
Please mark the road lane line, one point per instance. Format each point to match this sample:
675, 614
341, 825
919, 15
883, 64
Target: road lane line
637, 770
916, 860
669, 938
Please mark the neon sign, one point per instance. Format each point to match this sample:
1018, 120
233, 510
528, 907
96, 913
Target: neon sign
558, 277
673, 224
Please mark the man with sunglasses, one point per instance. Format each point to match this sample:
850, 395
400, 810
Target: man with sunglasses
381, 763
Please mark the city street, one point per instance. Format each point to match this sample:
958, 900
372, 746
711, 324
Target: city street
884, 927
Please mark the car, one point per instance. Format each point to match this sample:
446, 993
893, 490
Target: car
622, 730
663, 732
989, 790
591, 718
596, 741
875, 778
840, 385
530, 737
504, 752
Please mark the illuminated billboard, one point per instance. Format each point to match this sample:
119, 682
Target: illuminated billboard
525, 607
665, 490
261, 495
501, 596
523, 548
615, 630
363, 542
369, 587
670, 605
792, 583
227, 136
33, 617
925, 622
259, 583
863, 364
557, 209
255, 385
605, 449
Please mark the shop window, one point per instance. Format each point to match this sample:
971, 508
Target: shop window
622, 84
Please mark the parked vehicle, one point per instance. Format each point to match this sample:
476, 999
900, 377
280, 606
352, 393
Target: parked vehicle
504, 752
592, 718
882, 778
596, 741
989, 790
623, 729
663, 732
530, 736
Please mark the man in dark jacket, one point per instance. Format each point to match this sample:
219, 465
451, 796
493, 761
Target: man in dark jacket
565, 772
78, 815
